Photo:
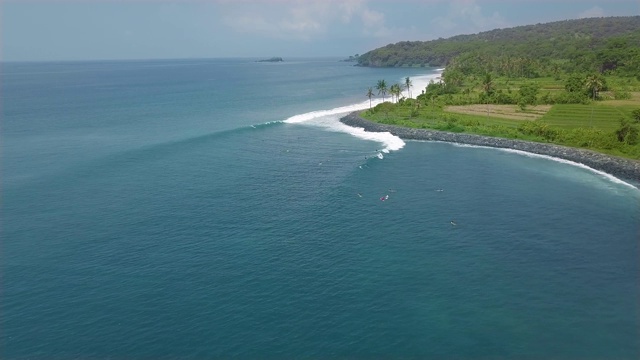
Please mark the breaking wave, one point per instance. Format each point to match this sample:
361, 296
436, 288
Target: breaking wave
330, 119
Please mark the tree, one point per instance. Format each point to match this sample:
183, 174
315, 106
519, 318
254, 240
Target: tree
555, 69
395, 90
627, 132
382, 88
574, 83
635, 114
529, 93
452, 78
594, 83
369, 95
487, 84
408, 85
467, 93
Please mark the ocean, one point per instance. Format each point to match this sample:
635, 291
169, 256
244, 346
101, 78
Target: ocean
217, 208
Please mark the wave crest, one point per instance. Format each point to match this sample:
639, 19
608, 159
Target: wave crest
330, 120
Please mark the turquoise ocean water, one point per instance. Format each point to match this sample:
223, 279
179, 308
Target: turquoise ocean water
217, 208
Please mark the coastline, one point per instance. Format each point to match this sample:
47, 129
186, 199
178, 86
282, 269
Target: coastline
624, 169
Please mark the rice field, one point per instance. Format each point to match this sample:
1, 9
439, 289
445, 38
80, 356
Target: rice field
591, 126
512, 112
599, 116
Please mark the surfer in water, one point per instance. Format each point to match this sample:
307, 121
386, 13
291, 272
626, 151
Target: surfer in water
384, 198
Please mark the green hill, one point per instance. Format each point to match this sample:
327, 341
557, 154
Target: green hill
591, 41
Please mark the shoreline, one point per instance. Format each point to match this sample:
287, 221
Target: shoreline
624, 169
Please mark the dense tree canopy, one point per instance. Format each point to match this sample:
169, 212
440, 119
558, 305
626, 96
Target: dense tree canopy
605, 45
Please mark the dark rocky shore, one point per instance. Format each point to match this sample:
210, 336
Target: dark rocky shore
625, 169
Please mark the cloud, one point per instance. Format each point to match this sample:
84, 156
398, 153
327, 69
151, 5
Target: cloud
372, 18
299, 19
349, 8
374, 24
468, 15
595, 11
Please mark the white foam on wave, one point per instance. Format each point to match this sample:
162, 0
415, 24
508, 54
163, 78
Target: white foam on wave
556, 159
330, 120
306, 117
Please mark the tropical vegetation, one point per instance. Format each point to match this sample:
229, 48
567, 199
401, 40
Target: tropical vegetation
611, 43
580, 87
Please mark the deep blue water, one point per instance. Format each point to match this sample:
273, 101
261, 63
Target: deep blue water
205, 208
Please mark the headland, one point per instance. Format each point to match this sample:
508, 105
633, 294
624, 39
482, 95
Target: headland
273, 59
625, 169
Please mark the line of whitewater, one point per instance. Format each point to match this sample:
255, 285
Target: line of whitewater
613, 168
330, 119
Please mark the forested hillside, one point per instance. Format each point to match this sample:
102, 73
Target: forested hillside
597, 44
573, 83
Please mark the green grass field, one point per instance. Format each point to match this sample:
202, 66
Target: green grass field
565, 116
590, 126
604, 117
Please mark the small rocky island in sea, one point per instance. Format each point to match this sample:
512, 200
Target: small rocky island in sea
273, 59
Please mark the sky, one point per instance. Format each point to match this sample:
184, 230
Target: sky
55, 30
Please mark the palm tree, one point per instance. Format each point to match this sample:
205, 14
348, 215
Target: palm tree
594, 83
382, 88
394, 91
487, 83
408, 85
369, 95
487, 86
398, 91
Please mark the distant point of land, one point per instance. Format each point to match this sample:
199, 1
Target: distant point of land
273, 59
351, 58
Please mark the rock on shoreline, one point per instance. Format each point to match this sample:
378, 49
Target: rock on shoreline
625, 169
